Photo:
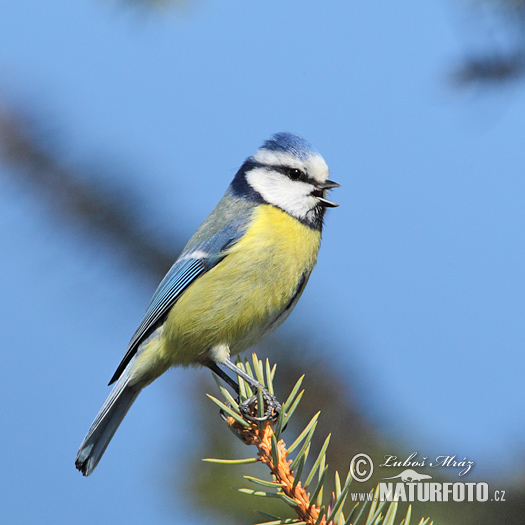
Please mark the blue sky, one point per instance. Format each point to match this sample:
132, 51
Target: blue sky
419, 286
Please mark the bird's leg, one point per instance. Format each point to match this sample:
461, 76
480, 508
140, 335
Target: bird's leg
273, 407
212, 365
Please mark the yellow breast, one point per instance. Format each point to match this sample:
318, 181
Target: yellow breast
239, 300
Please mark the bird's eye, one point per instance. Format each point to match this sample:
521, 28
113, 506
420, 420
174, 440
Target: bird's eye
295, 174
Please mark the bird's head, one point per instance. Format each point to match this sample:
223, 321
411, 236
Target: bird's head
290, 174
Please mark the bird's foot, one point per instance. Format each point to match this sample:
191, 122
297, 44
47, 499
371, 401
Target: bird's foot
249, 408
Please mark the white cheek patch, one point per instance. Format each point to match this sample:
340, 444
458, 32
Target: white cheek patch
275, 188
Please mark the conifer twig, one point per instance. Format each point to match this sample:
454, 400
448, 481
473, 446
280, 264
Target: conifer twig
286, 473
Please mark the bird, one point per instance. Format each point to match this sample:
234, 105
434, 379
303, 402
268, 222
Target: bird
237, 279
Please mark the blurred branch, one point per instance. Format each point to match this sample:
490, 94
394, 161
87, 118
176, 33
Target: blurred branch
107, 210
494, 70
154, 3
153, 6
501, 24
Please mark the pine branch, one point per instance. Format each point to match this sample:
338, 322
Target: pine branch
286, 484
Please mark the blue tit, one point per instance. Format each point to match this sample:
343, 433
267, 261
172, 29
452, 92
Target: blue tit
237, 279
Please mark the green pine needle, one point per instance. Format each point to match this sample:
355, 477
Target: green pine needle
361, 512
337, 485
321, 515
231, 461
319, 499
377, 513
293, 393
271, 516
285, 408
263, 482
229, 411
317, 462
226, 394
409, 514
244, 390
351, 515
275, 450
391, 513
302, 435
248, 368
300, 466
372, 510
290, 412
340, 495
258, 369
270, 373
287, 499
306, 444
279, 424
260, 493
319, 486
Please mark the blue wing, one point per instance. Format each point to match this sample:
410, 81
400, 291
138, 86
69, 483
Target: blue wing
188, 267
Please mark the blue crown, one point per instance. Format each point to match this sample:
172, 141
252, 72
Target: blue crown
290, 143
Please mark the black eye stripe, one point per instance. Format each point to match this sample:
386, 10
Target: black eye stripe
292, 173
285, 170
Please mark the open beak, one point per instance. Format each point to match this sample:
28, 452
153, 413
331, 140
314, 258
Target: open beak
327, 185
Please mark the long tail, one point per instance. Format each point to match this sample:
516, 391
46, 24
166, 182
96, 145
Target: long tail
105, 424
